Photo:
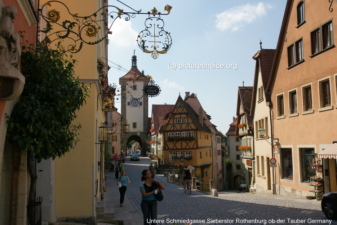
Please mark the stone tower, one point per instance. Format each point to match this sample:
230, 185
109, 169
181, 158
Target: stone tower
134, 107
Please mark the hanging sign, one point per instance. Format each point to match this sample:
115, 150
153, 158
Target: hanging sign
151, 90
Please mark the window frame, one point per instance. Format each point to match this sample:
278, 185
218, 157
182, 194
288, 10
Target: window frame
305, 99
304, 165
300, 11
321, 94
317, 39
293, 104
283, 162
279, 115
295, 53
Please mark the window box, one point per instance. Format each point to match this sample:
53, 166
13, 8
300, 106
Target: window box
244, 148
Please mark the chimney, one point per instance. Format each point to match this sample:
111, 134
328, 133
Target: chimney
187, 94
201, 118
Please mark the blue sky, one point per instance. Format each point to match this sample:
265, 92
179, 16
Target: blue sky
217, 33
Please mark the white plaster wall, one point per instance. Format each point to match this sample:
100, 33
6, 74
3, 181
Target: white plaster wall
135, 114
46, 189
262, 147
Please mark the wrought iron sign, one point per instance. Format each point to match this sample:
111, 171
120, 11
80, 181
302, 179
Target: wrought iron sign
81, 30
158, 41
151, 90
330, 7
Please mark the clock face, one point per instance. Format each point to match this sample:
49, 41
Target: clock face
135, 102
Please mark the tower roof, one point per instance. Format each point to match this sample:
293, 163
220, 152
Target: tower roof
134, 73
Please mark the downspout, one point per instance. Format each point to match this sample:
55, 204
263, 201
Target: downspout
270, 104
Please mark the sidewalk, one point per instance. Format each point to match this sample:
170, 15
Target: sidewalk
112, 213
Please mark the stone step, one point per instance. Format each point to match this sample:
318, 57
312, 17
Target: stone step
105, 216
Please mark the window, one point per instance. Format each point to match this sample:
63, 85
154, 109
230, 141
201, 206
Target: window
184, 134
293, 102
258, 164
287, 163
322, 38
200, 155
307, 98
188, 154
171, 135
180, 154
180, 120
300, 13
307, 163
238, 167
315, 41
191, 134
238, 157
177, 135
261, 124
134, 87
295, 53
134, 125
324, 92
260, 94
327, 35
280, 106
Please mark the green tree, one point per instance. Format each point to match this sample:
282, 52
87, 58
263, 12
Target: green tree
41, 121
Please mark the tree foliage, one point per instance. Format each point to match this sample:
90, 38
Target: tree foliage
41, 122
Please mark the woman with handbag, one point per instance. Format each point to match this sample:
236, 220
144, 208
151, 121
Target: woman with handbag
122, 181
149, 188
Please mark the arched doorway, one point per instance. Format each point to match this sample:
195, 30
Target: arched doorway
237, 181
135, 142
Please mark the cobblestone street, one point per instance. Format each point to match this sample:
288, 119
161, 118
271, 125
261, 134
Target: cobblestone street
231, 207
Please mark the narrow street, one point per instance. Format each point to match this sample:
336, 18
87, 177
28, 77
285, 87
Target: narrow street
230, 207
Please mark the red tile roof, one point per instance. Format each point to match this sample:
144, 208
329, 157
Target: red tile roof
266, 57
232, 128
159, 113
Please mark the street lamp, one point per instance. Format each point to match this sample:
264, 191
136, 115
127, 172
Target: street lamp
262, 132
103, 134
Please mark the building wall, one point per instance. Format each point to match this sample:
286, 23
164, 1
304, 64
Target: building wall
304, 129
135, 114
79, 180
262, 147
77, 173
14, 197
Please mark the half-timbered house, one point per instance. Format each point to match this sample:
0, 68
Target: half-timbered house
187, 140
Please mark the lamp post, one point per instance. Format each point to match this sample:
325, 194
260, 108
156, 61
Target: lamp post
103, 138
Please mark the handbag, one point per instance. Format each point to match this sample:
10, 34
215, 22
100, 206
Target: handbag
159, 195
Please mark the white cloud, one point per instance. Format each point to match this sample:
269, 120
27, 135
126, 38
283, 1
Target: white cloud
235, 18
173, 85
123, 34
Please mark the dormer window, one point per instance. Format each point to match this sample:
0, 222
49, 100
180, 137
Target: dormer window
300, 13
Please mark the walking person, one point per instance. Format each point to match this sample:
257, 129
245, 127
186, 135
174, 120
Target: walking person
123, 181
187, 177
117, 169
148, 188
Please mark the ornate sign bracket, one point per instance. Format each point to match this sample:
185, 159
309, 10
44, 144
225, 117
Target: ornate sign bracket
71, 33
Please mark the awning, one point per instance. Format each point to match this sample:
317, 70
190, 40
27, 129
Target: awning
329, 152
